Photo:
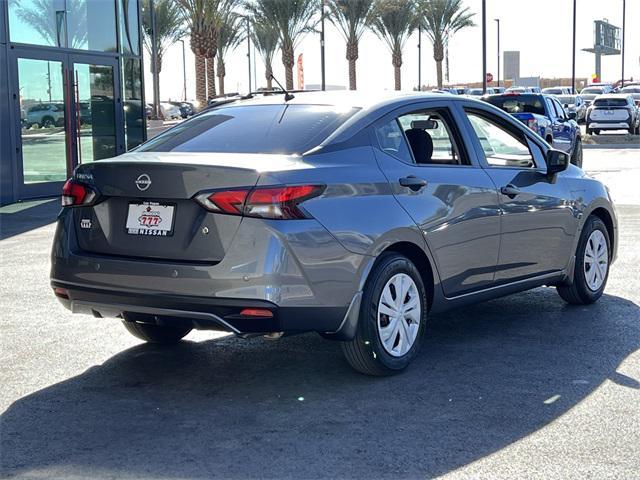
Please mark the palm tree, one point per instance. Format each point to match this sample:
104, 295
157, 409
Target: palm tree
265, 38
199, 17
170, 26
440, 20
230, 34
393, 21
292, 19
351, 18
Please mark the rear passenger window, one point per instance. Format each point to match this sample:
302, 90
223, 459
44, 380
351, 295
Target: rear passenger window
501, 147
422, 137
392, 141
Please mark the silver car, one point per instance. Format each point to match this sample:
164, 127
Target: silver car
351, 216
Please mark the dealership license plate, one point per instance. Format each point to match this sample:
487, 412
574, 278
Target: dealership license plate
150, 218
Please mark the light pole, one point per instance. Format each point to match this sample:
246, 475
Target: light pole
484, 47
498, 22
322, 71
573, 53
624, 18
184, 73
249, 51
420, 57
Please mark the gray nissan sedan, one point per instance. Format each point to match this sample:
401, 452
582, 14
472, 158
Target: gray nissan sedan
353, 216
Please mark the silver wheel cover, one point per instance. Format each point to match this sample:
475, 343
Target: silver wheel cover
596, 260
399, 314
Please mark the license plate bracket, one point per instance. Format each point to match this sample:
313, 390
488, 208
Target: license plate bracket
153, 219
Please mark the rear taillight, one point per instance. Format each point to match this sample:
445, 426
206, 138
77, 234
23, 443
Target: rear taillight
281, 203
74, 194
532, 123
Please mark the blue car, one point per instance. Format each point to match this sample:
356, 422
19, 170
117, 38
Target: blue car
544, 115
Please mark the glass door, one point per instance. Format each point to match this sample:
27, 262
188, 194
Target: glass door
97, 124
68, 111
43, 114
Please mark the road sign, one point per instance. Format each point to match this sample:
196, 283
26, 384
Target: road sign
489, 77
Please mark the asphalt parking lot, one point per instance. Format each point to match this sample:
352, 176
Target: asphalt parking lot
519, 387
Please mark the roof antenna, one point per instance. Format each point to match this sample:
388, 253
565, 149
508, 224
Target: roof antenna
287, 96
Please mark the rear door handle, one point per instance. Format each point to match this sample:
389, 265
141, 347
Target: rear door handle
510, 190
414, 183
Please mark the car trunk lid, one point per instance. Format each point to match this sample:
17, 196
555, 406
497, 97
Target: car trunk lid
146, 207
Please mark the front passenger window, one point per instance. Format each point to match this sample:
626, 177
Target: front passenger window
501, 147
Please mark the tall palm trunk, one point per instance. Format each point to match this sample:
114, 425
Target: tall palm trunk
221, 73
211, 78
288, 63
438, 56
352, 56
268, 72
201, 80
396, 60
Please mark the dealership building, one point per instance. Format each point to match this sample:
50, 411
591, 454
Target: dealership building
71, 89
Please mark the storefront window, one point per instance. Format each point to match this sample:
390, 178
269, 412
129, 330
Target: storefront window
92, 24
128, 17
134, 110
37, 22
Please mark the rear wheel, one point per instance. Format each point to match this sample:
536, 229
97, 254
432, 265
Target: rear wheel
576, 156
156, 333
592, 265
392, 319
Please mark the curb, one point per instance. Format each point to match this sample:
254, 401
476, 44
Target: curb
611, 146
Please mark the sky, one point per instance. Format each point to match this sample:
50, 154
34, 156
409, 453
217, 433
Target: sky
540, 29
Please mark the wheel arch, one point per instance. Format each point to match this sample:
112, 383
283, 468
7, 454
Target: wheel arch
604, 215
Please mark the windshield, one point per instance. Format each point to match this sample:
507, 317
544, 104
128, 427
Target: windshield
281, 129
518, 103
593, 90
611, 102
570, 99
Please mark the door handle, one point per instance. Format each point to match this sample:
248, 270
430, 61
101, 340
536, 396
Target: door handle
414, 183
510, 190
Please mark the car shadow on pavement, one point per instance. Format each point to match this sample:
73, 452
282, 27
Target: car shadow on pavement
20, 218
488, 376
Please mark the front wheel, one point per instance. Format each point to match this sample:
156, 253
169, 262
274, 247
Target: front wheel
576, 156
591, 271
156, 333
392, 319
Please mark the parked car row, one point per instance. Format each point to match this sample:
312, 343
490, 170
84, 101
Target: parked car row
173, 110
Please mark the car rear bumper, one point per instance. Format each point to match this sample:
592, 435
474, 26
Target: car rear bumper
222, 314
609, 125
294, 269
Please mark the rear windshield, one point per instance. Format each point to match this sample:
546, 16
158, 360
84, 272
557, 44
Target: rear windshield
281, 129
569, 99
593, 90
518, 103
611, 102
631, 90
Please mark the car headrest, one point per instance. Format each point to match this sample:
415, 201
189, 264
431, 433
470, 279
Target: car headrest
421, 144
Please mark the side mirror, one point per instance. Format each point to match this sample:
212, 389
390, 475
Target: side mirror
557, 162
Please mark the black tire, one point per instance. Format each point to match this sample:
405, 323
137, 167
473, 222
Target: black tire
156, 333
576, 155
366, 353
596, 131
589, 132
47, 122
579, 292
549, 140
